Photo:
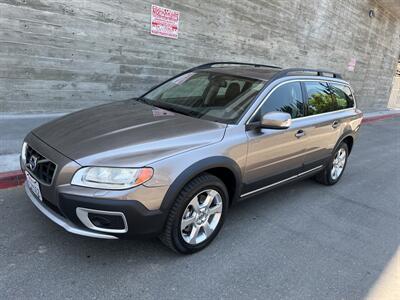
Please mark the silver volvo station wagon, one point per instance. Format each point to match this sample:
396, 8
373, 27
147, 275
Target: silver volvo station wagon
171, 162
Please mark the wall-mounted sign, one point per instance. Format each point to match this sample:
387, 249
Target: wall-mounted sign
352, 65
164, 22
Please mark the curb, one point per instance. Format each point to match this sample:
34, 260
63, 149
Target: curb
11, 179
16, 178
367, 120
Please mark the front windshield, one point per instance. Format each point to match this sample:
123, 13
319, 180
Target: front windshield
206, 95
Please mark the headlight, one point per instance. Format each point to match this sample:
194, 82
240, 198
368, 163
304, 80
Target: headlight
111, 178
23, 152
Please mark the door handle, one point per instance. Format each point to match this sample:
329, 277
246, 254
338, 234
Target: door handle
335, 124
300, 133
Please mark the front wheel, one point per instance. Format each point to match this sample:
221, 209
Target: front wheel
334, 170
197, 215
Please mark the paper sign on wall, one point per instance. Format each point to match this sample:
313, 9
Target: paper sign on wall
352, 65
164, 22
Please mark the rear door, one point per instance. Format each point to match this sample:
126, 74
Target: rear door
276, 154
322, 123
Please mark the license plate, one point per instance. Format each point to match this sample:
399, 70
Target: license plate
33, 186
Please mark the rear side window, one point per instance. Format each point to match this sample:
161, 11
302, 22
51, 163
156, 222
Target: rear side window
319, 98
286, 98
343, 96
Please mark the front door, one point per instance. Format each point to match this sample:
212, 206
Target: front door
276, 154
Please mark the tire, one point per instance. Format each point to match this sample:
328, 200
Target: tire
189, 209
326, 176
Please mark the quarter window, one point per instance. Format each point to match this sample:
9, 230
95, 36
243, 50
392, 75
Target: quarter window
343, 96
286, 98
319, 98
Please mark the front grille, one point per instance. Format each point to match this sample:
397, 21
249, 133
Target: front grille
40, 166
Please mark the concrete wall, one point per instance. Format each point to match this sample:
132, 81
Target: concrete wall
60, 55
394, 100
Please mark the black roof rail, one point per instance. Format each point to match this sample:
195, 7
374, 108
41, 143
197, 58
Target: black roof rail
286, 72
211, 64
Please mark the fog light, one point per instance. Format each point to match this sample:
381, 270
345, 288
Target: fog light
106, 221
101, 220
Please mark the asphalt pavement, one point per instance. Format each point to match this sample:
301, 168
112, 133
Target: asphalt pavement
301, 241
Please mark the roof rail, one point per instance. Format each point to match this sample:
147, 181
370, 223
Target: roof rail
286, 72
211, 64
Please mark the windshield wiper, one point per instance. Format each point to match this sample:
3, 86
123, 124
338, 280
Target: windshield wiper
156, 104
163, 105
144, 100
170, 108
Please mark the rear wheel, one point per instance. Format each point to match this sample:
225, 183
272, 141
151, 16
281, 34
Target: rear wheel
197, 215
334, 170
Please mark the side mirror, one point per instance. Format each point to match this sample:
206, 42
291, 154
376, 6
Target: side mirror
276, 120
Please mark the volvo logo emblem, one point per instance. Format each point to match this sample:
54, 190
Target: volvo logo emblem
33, 160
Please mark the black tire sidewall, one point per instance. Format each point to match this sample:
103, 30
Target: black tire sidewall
177, 239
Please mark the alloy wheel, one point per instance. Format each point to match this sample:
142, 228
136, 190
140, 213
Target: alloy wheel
338, 163
201, 216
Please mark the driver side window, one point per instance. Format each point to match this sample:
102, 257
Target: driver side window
287, 98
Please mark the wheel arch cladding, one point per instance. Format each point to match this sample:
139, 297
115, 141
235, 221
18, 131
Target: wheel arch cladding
224, 168
349, 140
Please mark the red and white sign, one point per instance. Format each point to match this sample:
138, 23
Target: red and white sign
351, 66
164, 22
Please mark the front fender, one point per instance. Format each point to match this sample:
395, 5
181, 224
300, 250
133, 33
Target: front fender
197, 168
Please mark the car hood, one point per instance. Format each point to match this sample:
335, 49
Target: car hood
126, 133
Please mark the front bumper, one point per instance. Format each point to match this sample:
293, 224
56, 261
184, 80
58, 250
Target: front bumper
63, 222
137, 210
138, 219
